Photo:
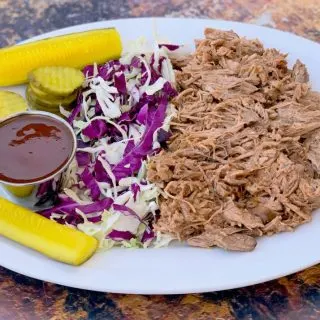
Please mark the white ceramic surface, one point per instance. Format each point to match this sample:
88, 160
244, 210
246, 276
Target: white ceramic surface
178, 268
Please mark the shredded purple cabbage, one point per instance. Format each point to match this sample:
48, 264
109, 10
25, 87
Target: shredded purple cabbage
83, 158
147, 235
171, 47
99, 172
132, 161
68, 206
142, 114
120, 235
76, 110
120, 83
118, 92
90, 182
125, 210
96, 129
135, 188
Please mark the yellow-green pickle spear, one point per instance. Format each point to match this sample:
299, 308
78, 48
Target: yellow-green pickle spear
56, 241
72, 50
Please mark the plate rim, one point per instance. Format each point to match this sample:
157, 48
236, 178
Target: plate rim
186, 290
66, 30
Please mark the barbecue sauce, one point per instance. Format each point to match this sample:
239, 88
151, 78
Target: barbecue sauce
33, 147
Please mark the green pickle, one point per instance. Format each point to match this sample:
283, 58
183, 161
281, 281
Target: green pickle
38, 92
52, 87
57, 80
50, 100
11, 102
53, 106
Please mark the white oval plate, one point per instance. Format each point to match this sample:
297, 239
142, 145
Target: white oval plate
178, 268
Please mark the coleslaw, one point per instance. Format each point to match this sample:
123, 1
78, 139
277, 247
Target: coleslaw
122, 117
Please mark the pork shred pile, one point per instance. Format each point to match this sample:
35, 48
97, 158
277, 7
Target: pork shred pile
244, 157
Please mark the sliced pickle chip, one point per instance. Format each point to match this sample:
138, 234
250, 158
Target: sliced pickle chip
48, 103
54, 100
11, 102
59, 81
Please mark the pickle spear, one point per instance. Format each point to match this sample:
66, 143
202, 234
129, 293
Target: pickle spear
54, 240
72, 50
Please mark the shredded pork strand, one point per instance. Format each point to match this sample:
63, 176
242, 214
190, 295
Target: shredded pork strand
244, 158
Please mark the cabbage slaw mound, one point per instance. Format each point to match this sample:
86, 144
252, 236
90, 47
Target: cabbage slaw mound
122, 116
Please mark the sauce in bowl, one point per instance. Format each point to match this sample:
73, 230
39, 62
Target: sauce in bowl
33, 147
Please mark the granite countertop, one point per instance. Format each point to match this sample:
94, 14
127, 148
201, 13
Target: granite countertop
296, 297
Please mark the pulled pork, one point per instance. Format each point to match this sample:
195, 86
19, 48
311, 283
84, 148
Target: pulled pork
244, 157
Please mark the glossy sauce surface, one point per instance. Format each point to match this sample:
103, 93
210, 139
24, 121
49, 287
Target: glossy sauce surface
33, 147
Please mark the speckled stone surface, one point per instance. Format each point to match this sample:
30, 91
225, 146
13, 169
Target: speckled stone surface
296, 297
